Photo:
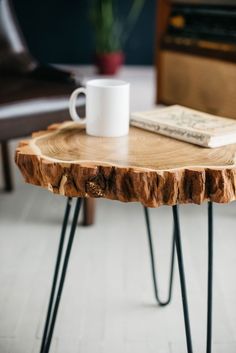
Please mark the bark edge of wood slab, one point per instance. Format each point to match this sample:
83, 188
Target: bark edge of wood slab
143, 166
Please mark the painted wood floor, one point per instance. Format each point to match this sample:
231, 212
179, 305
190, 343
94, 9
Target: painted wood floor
108, 304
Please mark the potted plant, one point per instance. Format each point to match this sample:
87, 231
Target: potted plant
111, 33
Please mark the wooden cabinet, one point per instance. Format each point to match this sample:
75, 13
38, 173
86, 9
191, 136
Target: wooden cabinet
197, 69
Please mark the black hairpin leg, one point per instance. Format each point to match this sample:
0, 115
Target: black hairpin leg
183, 283
182, 279
57, 266
55, 297
155, 285
210, 278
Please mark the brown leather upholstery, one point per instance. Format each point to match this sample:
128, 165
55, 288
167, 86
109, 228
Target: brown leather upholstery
23, 78
15, 56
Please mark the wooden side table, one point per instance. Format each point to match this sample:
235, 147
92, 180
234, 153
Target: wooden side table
143, 167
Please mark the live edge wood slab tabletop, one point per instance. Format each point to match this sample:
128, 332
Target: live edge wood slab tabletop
143, 166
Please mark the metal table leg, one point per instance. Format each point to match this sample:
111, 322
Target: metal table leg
55, 297
153, 266
183, 282
210, 278
182, 279
54, 300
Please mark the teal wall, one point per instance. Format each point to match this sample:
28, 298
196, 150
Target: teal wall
59, 31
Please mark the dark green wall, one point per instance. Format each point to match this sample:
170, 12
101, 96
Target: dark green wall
59, 31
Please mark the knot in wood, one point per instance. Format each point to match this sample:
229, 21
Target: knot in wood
94, 189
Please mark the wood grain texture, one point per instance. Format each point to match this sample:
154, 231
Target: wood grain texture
198, 82
145, 167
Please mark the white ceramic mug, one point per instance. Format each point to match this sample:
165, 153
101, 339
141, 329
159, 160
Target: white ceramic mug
107, 107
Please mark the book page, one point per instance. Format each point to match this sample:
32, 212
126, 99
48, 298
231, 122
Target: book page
189, 119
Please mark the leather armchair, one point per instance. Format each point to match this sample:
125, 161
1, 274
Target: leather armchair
24, 80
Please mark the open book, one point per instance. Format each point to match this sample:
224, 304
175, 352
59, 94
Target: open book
188, 125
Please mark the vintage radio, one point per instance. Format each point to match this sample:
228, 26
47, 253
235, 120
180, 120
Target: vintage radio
196, 55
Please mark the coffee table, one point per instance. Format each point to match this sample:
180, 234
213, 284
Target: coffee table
142, 167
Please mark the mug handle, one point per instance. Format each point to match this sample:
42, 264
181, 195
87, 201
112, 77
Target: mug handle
72, 105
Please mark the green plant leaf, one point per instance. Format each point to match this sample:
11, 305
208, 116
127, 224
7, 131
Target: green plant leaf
110, 32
